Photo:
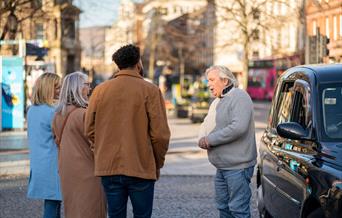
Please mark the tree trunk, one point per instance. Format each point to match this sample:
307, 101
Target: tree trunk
245, 63
152, 57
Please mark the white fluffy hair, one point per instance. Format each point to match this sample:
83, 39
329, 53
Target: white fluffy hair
71, 92
224, 73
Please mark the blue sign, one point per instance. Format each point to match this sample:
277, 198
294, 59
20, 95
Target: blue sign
12, 92
35, 50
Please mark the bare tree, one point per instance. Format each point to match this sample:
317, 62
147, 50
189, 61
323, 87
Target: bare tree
247, 19
14, 12
187, 37
185, 43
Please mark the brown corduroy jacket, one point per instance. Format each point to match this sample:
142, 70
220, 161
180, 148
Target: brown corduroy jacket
127, 124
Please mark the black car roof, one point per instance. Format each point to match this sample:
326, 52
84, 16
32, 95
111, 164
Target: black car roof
325, 72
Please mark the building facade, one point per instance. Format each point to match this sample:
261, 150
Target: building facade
93, 48
188, 40
142, 24
156, 16
325, 16
285, 32
123, 31
54, 26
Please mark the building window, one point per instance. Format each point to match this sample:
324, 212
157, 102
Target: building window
256, 14
61, 1
314, 27
36, 4
276, 7
256, 34
327, 30
335, 28
292, 4
255, 54
175, 9
282, 8
283, 37
56, 28
275, 39
164, 11
269, 6
69, 28
292, 37
341, 26
70, 63
39, 31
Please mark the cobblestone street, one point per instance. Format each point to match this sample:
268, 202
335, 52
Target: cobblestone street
185, 189
175, 196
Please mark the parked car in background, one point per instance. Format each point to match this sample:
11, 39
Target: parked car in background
200, 101
198, 110
300, 165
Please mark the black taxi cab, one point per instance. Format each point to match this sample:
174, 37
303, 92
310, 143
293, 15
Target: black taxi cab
300, 155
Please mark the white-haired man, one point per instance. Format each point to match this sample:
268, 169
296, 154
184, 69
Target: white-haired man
228, 134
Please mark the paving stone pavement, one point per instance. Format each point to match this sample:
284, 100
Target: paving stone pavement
175, 197
185, 189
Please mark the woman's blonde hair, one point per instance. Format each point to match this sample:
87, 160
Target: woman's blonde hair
44, 89
71, 92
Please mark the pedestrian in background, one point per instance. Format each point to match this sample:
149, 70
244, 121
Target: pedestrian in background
83, 194
44, 182
228, 134
126, 121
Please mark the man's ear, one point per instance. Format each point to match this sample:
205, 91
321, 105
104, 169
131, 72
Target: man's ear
227, 82
138, 66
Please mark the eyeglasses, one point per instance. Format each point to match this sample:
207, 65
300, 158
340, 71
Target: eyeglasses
87, 84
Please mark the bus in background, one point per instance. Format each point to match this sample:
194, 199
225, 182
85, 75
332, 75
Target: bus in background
263, 75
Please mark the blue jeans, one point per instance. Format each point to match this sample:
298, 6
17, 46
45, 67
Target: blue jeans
119, 188
52, 209
233, 193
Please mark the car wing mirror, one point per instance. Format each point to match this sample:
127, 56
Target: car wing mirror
293, 130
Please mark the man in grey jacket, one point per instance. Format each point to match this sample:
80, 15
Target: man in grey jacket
228, 134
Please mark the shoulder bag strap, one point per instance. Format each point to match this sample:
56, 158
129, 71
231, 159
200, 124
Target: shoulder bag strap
59, 139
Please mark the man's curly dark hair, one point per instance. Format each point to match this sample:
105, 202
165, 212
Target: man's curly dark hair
127, 56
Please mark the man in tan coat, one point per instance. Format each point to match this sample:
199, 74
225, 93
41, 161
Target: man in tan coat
127, 124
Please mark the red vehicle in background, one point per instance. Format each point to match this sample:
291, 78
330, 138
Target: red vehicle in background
263, 74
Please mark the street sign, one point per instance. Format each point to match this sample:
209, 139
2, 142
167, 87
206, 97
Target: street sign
34, 50
34, 47
38, 42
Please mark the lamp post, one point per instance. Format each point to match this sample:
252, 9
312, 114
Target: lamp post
12, 24
181, 65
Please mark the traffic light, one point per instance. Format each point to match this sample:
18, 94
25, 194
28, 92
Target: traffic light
325, 42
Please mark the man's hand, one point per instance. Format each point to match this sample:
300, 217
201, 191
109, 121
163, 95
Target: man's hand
203, 143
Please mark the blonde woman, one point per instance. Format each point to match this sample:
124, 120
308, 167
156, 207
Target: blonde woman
44, 182
82, 192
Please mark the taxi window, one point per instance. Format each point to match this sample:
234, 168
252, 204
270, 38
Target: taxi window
284, 107
331, 103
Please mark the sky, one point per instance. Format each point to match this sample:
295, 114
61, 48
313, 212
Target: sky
98, 12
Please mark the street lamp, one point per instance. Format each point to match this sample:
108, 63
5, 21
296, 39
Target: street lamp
181, 64
12, 24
